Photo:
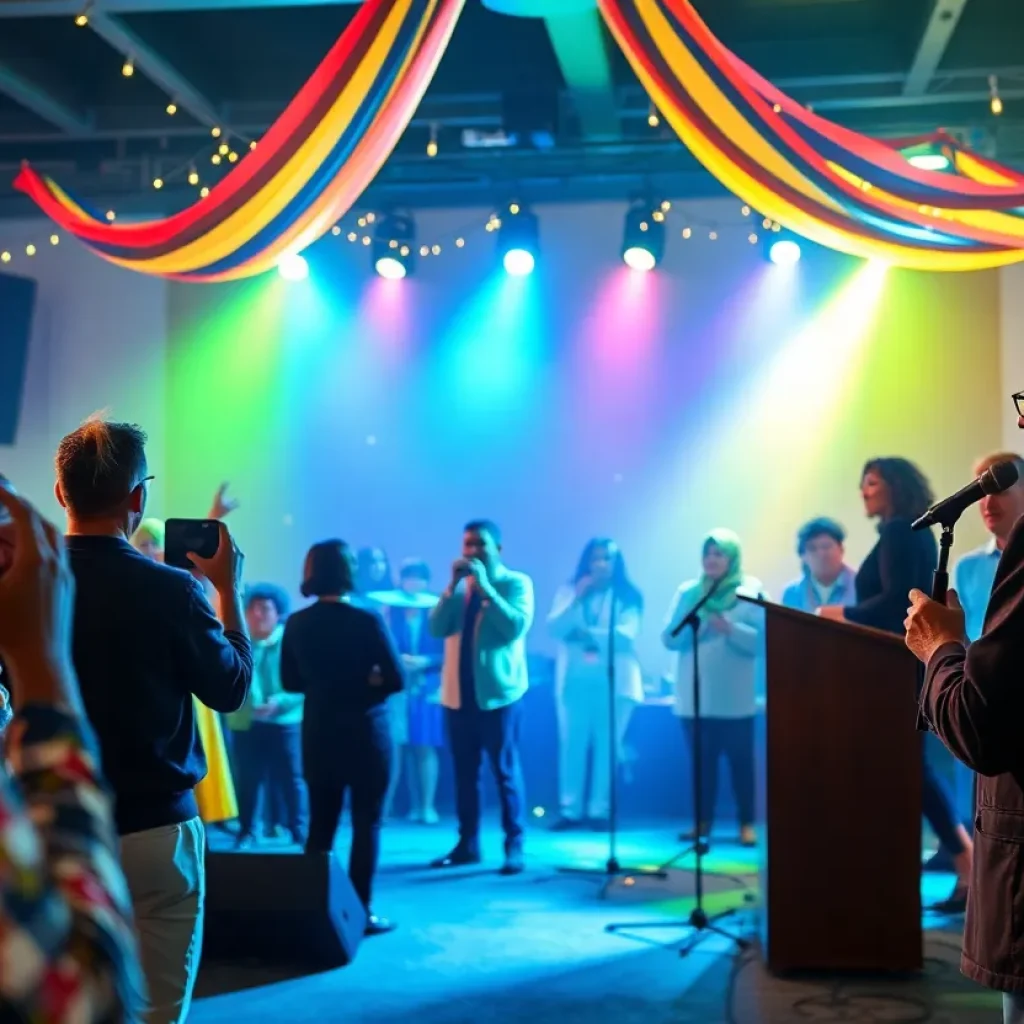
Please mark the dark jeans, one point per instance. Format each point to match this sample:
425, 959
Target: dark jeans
733, 738
268, 759
937, 806
355, 759
471, 733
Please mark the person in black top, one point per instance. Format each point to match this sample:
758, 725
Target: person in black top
146, 640
342, 658
896, 492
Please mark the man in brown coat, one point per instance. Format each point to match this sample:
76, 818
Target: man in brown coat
973, 698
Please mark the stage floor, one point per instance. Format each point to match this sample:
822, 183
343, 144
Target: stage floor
476, 948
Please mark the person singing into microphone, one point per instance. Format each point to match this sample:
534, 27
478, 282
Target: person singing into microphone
484, 617
896, 492
729, 639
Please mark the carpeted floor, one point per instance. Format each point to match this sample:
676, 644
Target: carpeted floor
476, 948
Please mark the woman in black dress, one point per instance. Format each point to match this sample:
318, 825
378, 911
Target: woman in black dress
896, 492
342, 658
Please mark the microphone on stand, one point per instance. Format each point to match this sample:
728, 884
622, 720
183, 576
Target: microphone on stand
1001, 477
692, 618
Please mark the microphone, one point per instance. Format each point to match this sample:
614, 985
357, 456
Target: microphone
692, 618
999, 478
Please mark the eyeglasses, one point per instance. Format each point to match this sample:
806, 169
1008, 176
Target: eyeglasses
1018, 400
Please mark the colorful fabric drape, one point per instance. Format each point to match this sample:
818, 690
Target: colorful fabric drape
832, 185
306, 172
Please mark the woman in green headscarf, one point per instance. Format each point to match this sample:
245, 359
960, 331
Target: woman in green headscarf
729, 640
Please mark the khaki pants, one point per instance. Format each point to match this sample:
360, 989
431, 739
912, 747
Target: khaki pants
167, 880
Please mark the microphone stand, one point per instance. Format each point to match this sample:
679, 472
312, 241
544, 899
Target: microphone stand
699, 920
613, 868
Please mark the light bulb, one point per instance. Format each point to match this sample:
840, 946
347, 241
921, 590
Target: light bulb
424, 250
366, 239
352, 236
82, 20
223, 149
436, 250
215, 132
158, 183
752, 238
713, 236
193, 177
665, 206
459, 242
232, 157
111, 215
996, 105
54, 239
745, 210
30, 249
432, 148
172, 108
336, 230
252, 145
513, 208
687, 232
204, 192
5, 257
128, 68
216, 158
371, 217
652, 119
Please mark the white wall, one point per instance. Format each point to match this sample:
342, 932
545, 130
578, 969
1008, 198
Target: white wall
1012, 328
98, 342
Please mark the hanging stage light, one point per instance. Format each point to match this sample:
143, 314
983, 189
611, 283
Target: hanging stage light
643, 239
293, 267
518, 240
783, 248
394, 245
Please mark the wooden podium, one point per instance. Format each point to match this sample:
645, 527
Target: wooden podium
839, 774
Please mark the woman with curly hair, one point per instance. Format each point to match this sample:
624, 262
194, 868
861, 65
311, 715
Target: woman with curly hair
896, 492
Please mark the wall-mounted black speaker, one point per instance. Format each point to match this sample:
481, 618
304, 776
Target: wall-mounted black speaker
17, 303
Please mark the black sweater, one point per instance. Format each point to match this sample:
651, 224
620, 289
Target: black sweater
146, 640
901, 560
343, 659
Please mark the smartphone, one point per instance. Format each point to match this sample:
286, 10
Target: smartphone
183, 535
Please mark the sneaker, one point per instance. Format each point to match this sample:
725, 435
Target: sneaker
463, 854
515, 863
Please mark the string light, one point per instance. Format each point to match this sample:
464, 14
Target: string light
777, 108
223, 149
111, 216
336, 230
172, 108
687, 232
367, 240
204, 192
5, 257
767, 223
128, 67
215, 132
745, 210
30, 249
232, 157
459, 242
158, 183
713, 236
995, 100
652, 116
752, 238
252, 145
54, 239
81, 20
193, 177
435, 250
216, 158
432, 144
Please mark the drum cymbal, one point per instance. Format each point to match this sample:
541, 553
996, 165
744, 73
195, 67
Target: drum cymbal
400, 599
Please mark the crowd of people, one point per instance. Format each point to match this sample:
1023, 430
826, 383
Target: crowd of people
118, 667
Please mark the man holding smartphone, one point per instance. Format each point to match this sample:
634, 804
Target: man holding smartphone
146, 640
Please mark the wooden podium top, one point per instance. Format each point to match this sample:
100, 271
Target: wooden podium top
847, 628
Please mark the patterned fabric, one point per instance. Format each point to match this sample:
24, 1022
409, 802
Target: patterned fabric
67, 948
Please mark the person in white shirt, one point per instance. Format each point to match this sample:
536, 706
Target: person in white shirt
599, 608
729, 640
976, 571
827, 579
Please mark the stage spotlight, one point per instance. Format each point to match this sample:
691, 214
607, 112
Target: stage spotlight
394, 245
293, 267
784, 252
643, 238
518, 240
929, 161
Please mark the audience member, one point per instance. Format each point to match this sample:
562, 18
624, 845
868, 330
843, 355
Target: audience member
265, 729
146, 640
